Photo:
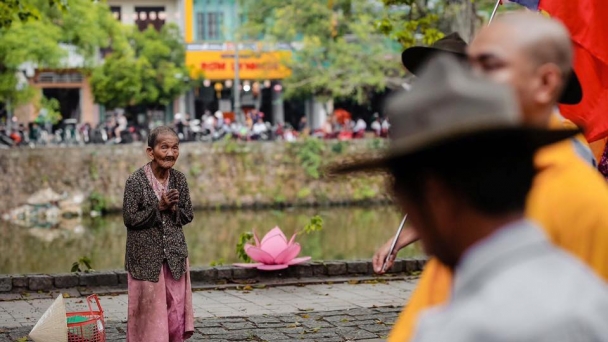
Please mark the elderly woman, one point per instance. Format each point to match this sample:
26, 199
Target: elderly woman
156, 207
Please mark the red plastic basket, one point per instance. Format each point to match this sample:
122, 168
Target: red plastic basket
91, 330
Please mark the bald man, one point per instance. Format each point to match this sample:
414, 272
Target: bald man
531, 53
569, 198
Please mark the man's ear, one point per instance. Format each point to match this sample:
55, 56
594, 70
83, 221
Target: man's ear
551, 83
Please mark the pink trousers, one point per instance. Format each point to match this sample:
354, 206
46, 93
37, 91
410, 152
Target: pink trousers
162, 311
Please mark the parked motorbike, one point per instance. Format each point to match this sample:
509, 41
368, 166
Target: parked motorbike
196, 130
5, 141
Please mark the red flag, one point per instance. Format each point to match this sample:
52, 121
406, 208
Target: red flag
587, 21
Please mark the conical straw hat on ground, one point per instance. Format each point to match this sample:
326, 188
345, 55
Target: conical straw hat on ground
52, 326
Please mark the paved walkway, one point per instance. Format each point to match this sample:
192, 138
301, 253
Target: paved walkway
337, 312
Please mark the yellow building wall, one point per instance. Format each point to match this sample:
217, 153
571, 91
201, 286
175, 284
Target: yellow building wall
188, 18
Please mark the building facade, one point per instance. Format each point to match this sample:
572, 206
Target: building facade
209, 29
212, 47
155, 13
70, 87
143, 13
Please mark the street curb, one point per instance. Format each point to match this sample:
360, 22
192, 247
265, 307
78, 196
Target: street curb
213, 277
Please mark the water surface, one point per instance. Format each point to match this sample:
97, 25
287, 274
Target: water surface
348, 234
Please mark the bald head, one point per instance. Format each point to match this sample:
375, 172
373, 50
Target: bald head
530, 52
544, 40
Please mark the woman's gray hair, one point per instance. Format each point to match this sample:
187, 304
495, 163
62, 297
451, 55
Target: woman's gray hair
160, 130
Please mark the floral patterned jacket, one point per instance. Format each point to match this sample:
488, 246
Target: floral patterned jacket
152, 235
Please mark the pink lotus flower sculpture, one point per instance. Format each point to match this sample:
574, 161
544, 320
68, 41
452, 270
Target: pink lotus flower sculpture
274, 252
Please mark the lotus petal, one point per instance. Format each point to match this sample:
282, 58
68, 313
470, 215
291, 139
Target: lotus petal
256, 238
272, 267
272, 232
252, 265
257, 254
288, 254
293, 238
274, 245
299, 260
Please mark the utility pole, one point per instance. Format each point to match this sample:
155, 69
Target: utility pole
236, 88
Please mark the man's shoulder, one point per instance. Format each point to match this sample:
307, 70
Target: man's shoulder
490, 326
545, 293
542, 279
567, 180
518, 314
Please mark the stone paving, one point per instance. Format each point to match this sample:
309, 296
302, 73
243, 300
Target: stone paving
331, 312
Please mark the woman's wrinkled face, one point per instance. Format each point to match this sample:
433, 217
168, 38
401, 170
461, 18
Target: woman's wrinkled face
166, 150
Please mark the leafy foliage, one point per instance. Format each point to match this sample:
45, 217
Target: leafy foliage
84, 25
83, 264
309, 154
409, 22
49, 111
376, 143
315, 225
98, 202
33, 41
218, 262
145, 68
422, 22
22, 11
244, 238
340, 55
338, 147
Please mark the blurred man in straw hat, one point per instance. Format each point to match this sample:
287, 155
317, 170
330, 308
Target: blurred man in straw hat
568, 197
462, 164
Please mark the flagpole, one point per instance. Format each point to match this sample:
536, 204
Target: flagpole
494, 11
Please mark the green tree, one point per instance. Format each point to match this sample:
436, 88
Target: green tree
145, 68
340, 53
84, 25
22, 11
410, 22
414, 22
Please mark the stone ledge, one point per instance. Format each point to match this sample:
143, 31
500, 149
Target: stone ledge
104, 278
65, 280
6, 283
209, 276
40, 282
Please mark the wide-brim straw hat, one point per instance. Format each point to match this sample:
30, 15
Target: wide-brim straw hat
449, 105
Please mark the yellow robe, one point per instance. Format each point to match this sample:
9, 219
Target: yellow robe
569, 199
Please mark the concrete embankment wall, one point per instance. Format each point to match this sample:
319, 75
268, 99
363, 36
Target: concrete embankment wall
220, 175
209, 277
